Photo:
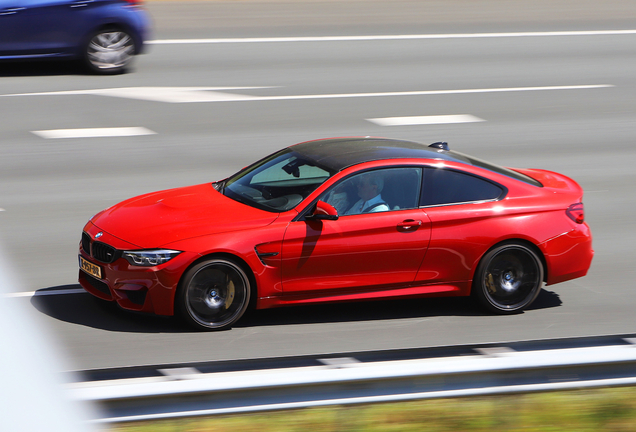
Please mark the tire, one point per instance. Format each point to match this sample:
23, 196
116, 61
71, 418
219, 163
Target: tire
109, 51
508, 278
213, 294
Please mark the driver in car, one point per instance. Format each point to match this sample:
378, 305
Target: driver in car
369, 186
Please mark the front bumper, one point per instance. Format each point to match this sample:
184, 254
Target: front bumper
142, 289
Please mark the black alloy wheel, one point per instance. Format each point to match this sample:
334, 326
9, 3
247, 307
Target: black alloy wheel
213, 294
508, 278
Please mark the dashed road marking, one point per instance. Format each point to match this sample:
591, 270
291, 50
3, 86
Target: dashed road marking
425, 120
93, 132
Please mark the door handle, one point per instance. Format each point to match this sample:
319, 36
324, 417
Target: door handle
11, 11
81, 3
409, 225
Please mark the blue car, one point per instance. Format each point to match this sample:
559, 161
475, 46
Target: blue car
104, 34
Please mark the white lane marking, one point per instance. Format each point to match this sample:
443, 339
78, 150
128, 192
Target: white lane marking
157, 94
425, 120
187, 94
434, 92
44, 293
392, 37
174, 95
93, 132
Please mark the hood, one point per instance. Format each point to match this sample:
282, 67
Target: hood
159, 218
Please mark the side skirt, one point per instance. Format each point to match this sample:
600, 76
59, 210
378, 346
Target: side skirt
455, 289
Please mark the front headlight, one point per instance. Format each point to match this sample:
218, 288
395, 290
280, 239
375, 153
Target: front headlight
149, 258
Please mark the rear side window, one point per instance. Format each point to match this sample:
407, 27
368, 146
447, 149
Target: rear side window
496, 168
443, 186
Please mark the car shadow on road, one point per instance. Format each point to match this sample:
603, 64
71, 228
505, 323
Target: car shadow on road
86, 310
41, 68
385, 309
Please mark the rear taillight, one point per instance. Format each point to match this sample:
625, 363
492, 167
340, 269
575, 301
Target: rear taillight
133, 2
576, 213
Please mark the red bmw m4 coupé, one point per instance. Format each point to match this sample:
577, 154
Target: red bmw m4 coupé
340, 220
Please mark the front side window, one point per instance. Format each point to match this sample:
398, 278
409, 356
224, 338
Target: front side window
376, 191
277, 183
444, 186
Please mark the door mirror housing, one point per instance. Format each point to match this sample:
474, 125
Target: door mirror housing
323, 211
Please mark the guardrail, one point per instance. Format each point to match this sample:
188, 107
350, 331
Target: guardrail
171, 391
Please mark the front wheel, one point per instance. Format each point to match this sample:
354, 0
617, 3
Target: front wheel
508, 278
109, 51
213, 294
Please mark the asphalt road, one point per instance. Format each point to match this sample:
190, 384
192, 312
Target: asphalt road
563, 102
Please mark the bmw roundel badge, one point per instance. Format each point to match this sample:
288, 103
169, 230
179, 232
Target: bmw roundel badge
99, 234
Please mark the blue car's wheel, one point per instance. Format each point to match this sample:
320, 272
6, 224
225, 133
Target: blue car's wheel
109, 51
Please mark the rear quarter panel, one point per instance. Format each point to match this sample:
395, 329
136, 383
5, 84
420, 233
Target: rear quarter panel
462, 233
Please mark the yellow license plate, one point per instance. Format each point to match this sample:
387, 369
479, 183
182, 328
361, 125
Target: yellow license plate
90, 268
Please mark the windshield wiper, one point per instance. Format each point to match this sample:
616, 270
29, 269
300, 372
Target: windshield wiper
220, 186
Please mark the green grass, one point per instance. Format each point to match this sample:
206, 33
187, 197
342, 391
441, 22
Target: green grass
593, 410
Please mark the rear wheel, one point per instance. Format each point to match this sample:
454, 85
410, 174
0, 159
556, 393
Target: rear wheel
109, 51
508, 278
213, 294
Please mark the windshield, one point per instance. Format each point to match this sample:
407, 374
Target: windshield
277, 183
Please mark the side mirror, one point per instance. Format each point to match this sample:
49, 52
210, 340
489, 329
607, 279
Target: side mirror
323, 211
